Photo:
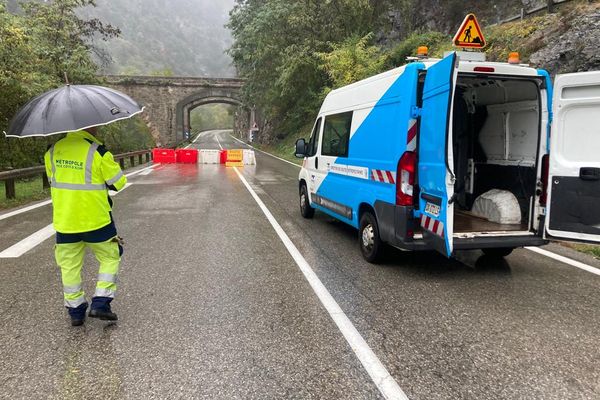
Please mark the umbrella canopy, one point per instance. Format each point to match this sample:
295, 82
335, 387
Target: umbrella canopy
71, 108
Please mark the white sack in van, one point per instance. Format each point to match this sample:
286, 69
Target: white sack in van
500, 206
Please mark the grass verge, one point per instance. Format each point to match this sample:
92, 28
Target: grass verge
27, 190
283, 149
593, 250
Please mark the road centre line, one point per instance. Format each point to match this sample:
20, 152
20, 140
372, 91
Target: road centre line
264, 152
577, 264
218, 142
386, 384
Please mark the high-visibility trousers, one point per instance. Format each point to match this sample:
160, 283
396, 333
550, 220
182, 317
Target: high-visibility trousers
69, 257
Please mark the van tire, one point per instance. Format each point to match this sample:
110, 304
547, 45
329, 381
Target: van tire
498, 252
305, 209
369, 240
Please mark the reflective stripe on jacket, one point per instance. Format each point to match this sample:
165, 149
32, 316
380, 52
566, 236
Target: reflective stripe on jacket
79, 170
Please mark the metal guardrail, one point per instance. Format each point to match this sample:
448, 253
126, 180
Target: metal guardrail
524, 13
9, 177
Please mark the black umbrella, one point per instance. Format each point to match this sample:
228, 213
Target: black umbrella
71, 108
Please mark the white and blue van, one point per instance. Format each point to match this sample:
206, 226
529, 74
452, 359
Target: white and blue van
406, 156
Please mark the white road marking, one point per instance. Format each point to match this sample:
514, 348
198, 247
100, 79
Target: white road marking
31, 241
140, 170
25, 209
219, 143
264, 152
46, 202
147, 172
566, 260
379, 374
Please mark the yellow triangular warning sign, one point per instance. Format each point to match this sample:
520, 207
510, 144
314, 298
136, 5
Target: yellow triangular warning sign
469, 35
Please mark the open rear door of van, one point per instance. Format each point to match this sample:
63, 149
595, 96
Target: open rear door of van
436, 177
573, 211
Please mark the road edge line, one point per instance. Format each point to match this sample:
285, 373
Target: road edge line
264, 152
30, 242
566, 260
380, 376
49, 201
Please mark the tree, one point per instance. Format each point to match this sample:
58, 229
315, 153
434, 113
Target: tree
36, 49
279, 46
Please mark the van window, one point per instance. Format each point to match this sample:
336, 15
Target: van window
336, 135
313, 144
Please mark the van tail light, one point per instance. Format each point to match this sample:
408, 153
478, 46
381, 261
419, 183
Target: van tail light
545, 174
406, 178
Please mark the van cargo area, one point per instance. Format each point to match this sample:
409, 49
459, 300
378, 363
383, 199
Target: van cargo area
496, 134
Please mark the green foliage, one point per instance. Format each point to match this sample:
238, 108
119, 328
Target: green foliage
436, 41
352, 60
162, 72
212, 116
279, 47
522, 36
26, 190
126, 135
37, 47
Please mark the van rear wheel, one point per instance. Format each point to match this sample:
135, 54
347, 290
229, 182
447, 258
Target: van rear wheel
370, 243
498, 252
305, 209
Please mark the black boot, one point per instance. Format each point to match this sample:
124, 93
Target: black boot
101, 309
77, 314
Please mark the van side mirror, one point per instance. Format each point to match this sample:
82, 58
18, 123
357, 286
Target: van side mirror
300, 148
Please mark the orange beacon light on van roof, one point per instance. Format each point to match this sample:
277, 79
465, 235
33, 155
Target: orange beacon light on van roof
422, 51
514, 58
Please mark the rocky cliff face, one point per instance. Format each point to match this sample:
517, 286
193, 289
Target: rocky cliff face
572, 45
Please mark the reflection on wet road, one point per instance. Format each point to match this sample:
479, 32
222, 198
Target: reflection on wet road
211, 305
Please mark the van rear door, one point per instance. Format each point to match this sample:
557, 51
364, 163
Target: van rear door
573, 211
436, 178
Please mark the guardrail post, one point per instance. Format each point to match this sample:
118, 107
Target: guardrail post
140, 160
122, 163
9, 185
132, 161
45, 182
148, 155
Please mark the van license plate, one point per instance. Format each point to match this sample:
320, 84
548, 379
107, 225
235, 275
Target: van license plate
432, 209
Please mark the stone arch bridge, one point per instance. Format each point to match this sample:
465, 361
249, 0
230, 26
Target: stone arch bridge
168, 102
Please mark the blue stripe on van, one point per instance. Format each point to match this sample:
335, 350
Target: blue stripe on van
378, 143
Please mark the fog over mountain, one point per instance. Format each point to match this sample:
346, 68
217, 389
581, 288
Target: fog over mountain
185, 37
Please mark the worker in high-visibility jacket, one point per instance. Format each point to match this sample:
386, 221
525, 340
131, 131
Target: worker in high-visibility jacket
81, 171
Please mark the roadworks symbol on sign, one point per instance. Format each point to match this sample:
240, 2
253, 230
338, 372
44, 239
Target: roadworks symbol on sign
469, 35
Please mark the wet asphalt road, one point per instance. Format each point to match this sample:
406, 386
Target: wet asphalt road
211, 305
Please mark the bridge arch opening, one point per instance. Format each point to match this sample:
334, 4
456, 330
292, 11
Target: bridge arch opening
242, 115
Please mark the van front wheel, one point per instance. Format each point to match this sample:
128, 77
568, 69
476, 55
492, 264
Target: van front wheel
370, 243
305, 209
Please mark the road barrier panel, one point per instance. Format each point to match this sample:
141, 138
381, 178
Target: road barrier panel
209, 157
249, 157
164, 156
223, 156
187, 156
235, 158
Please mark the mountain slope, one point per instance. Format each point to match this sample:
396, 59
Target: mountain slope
182, 37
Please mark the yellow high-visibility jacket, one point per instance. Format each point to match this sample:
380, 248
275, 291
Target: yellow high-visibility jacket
80, 170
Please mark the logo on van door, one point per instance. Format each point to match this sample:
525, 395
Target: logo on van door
349, 170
